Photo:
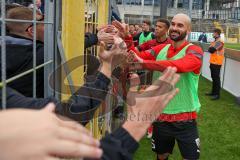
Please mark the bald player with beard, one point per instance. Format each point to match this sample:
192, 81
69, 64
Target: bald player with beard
178, 120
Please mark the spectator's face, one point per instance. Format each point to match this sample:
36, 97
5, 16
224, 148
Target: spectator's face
216, 35
131, 29
136, 27
39, 28
145, 27
38, 3
179, 28
160, 29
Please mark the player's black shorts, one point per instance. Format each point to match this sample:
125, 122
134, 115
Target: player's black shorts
185, 133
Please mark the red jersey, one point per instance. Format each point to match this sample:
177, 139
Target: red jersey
152, 43
191, 62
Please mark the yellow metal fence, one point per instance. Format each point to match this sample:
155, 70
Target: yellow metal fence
79, 17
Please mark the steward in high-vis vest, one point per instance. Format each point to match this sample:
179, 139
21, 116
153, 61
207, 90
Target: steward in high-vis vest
146, 34
178, 121
216, 50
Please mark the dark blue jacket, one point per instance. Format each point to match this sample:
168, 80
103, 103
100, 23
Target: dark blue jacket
203, 38
19, 58
80, 106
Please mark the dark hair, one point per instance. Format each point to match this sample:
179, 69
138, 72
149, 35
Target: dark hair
165, 21
217, 30
147, 22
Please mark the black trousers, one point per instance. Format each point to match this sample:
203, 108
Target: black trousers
215, 74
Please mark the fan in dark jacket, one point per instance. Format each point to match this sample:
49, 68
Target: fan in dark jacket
19, 58
19, 51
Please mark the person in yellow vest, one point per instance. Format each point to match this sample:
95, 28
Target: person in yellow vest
216, 49
145, 35
140, 38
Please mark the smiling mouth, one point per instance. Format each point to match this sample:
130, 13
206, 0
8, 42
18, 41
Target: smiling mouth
175, 34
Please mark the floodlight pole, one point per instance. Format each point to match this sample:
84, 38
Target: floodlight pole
163, 8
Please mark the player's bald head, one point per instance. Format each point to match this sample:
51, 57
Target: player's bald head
183, 18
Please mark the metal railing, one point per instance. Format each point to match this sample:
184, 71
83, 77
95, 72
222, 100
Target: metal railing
48, 60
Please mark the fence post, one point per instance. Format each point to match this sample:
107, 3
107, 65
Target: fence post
72, 35
163, 9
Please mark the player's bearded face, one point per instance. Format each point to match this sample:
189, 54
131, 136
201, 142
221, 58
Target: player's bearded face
177, 35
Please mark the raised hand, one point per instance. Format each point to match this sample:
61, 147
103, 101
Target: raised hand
134, 61
144, 108
32, 134
107, 33
123, 28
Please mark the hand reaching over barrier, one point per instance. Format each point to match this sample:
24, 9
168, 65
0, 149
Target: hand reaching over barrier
40, 134
144, 108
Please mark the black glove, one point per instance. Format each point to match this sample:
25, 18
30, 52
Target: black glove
212, 49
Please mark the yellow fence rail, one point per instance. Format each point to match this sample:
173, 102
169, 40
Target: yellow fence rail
74, 12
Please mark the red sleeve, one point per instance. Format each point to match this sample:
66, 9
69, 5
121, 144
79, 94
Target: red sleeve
190, 63
149, 54
145, 46
129, 41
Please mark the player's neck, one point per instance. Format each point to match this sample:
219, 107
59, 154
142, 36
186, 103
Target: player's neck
177, 44
162, 38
